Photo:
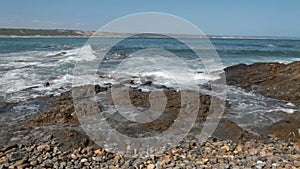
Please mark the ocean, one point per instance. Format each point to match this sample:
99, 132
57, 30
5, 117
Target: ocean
33, 67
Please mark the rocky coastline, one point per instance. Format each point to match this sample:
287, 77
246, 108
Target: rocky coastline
54, 138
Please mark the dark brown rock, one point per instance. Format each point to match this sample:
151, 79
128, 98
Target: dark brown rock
287, 129
228, 130
99, 88
63, 113
71, 138
275, 80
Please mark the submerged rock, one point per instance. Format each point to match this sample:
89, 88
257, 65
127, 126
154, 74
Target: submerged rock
46, 84
61, 54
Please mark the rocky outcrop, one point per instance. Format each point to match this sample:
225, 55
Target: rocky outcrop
62, 113
226, 130
274, 80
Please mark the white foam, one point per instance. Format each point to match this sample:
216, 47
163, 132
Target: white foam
84, 53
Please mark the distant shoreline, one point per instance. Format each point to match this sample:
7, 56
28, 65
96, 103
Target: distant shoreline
64, 33
209, 37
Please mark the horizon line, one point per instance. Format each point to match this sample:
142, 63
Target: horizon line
93, 31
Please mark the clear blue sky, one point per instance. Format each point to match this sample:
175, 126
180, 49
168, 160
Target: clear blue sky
223, 17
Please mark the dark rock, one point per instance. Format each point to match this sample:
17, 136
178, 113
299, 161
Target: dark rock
148, 83
61, 54
16, 156
228, 130
71, 138
131, 82
287, 129
46, 84
99, 88
275, 80
63, 113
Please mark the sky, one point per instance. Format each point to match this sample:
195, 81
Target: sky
213, 17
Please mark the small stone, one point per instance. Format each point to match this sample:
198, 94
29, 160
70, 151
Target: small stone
262, 153
33, 163
297, 163
99, 152
228, 156
1, 154
73, 156
295, 157
15, 139
55, 150
23, 166
19, 162
227, 148
112, 167
204, 160
26, 138
239, 148
175, 151
76, 152
8, 147
166, 159
43, 147
260, 164
223, 165
151, 166
84, 160
16, 156
252, 151
29, 149
63, 164
84, 150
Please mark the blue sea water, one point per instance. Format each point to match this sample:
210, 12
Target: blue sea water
26, 64
30, 62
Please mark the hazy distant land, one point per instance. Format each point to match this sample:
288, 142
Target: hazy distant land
22, 32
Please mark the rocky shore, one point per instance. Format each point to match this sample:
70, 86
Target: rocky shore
211, 154
54, 139
274, 80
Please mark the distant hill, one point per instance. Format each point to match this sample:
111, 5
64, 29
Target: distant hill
14, 32
43, 32
11, 32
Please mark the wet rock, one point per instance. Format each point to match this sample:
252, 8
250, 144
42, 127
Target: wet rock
46, 84
275, 80
61, 54
148, 83
62, 113
99, 88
